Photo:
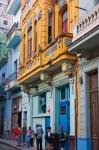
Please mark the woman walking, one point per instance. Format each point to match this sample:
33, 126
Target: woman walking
28, 137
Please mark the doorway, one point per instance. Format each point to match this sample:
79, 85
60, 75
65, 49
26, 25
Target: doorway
94, 110
2, 121
64, 111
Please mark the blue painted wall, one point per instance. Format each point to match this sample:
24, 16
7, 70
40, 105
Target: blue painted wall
8, 69
84, 144
7, 114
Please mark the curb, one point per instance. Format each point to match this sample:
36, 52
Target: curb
10, 145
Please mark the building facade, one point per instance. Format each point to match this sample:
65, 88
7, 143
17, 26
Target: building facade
5, 25
14, 102
86, 45
19, 99
46, 67
5, 19
3, 60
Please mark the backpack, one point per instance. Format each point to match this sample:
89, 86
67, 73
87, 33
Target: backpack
39, 132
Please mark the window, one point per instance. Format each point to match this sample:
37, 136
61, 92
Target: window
24, 11
0, 4
63, 110
63, 94
64, 22
15, 66
42, 103
30, 43
5, 22
29, 3
24, 48
25, 119
49, 28
35, 35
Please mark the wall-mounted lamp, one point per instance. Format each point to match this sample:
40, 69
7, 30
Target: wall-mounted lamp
67, 67
46, 78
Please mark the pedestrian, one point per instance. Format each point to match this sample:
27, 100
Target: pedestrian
62, 139
18, 133
39, 134
32, 138
28, 137
48, 138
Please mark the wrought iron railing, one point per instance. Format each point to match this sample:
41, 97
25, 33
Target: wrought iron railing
12, 77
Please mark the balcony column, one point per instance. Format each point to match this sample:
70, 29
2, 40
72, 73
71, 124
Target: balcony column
33, 35
26, 44
22, 51
43, 26
72, 14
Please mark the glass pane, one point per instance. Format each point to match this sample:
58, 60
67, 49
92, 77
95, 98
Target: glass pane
42, 104
63, 110
62, 93
50, 19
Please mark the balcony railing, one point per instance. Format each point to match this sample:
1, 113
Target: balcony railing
87, 23
31, 64
14, 36
12, 77
12, 82
57, 48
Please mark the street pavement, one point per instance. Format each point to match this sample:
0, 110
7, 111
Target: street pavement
6, 147
11, 145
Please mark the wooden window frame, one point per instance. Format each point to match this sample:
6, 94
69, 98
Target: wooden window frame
30, 43
35, 35
64, 22
50, 27
24, 48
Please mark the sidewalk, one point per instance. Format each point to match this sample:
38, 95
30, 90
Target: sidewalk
12, 143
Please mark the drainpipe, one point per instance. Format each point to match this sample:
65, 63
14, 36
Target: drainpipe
76, 106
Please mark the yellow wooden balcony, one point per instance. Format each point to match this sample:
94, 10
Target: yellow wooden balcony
48, 60
56, 51
30, 67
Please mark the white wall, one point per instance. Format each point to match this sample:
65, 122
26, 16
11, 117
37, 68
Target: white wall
25, 107
72, 106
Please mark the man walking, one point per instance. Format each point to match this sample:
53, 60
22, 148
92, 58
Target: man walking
39, 134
